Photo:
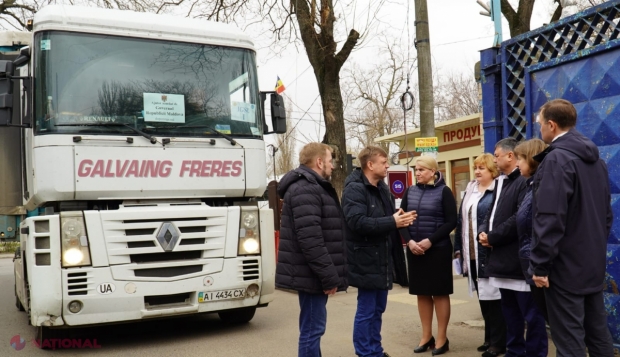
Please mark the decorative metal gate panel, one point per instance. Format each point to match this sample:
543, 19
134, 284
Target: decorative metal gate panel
577, 59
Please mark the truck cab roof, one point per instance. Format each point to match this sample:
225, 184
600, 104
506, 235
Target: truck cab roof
139, 24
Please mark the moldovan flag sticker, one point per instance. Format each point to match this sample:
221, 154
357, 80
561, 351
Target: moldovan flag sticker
279, 86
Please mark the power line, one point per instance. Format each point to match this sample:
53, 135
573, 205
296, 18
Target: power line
296, 78
299, 120
461, 41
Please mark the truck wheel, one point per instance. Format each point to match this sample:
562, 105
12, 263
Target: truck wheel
237, 316
18, 303
45, 335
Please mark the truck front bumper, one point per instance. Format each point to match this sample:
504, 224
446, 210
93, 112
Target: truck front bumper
106, 300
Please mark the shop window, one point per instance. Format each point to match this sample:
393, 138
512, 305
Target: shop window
460, 179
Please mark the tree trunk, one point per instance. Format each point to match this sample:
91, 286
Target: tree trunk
518, 21
331, 98
321, 50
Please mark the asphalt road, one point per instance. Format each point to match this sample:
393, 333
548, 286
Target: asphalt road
273, 331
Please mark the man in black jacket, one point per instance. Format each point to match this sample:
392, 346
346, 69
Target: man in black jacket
312, 252
372, 243
499, 231
572, 220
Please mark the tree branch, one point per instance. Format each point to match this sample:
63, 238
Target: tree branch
557, 13
345, 51
306, 28
19, 21
169, 3
508, 11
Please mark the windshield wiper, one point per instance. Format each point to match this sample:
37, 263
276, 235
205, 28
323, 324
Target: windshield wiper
233, 142
151, 138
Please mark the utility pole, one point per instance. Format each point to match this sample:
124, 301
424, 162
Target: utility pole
425, 70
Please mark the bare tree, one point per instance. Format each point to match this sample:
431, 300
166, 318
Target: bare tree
519, 13
585, 4
314, 23
373, 94
456, 95
14, 14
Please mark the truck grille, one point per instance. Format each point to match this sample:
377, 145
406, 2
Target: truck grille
198, 232
77, 283
168, 272
250, 269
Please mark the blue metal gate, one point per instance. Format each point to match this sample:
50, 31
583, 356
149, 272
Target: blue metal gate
577, 59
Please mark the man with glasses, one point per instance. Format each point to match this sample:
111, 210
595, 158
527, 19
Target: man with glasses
572, 219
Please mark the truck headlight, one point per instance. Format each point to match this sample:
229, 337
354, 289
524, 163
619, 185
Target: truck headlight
249, 235
74, 240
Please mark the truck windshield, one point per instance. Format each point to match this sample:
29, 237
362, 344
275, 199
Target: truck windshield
162, 88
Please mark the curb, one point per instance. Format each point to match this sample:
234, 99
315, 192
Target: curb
6, 255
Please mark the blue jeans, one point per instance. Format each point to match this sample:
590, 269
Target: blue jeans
518, 307
312, 320
367, 326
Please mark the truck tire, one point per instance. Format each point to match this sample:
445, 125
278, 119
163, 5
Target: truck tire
237, 316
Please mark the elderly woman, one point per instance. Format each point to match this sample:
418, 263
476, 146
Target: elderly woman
430, 251
527, 165
477, 202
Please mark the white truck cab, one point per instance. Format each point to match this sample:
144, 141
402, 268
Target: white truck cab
137, 154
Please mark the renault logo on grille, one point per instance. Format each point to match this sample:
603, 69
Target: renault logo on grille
168, 236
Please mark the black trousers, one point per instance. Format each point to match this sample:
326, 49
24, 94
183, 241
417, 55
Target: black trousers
577, 322
494, 324
539, 298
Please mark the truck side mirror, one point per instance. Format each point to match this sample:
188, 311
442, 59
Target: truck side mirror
23, 58
6, 92
278, 114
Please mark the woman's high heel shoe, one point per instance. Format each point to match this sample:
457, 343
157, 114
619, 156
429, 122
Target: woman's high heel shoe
443, 349
430, 344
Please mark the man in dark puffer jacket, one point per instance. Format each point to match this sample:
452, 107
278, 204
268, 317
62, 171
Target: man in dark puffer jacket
375, 251
311, 255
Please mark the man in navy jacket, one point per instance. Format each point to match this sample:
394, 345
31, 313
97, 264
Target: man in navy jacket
372, 245
499, 232
572, 219
311, 255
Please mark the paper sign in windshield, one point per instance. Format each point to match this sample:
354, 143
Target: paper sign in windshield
168, 108
241, 111
46, 45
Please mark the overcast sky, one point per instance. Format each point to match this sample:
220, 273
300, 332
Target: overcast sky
457, 33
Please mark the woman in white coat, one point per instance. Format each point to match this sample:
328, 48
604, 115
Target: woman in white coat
477, 201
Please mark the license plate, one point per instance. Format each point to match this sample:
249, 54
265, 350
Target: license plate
221, 295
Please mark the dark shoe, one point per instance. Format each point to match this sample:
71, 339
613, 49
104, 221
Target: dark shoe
430, 344
385, 354
493, 352
485, 346
443, 349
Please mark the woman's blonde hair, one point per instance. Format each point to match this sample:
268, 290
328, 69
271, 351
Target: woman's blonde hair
528, 149
486, 160
427, 162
